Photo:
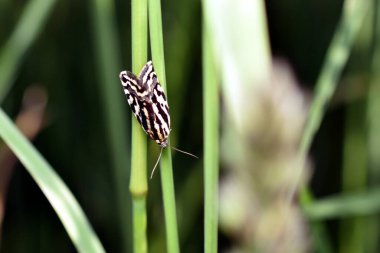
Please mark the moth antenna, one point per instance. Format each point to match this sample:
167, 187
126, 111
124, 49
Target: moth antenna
155, 166
184, 152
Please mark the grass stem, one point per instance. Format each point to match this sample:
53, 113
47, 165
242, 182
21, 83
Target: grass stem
338, 52
138, 184
211, 145
167, 182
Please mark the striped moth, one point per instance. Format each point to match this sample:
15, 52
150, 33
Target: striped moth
148, 102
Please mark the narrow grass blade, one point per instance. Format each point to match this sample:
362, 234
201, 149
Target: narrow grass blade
211, 145
167, 182
373, 137
138, 184
55, 190
337, 55
336, 58
31, 23
354, 175
355, 204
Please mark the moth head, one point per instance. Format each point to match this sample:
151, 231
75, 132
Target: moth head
163, 144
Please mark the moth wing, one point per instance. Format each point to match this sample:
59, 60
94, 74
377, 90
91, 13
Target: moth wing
151, 121
146, 117
158, 108
160, 105
148, 102
161, 109
154, 126
132, 87
148, 77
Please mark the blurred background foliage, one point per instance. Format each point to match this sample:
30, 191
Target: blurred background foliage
62, 61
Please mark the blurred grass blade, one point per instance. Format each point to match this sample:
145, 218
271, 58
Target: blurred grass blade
354, 175
354, 12
109, 66
373, 110
338, 52
211, 145
55, 190
373, 120
337, 55
239, 32
29, 26
167, 182
138, 183
363, 203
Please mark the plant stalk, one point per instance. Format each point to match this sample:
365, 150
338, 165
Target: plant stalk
211, 145
167, 182
138, 184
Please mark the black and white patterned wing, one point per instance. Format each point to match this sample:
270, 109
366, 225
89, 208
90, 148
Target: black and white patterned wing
160, 109
148, 77
134, 86
148, 102
132, 90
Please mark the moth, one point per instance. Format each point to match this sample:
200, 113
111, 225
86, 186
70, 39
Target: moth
148, 102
